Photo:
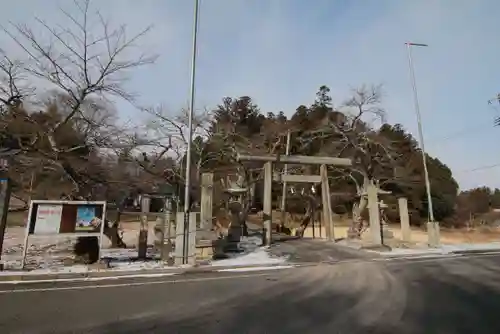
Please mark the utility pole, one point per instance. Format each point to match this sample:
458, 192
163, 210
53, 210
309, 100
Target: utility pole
432, 225
283, 193
187, 189
4, 199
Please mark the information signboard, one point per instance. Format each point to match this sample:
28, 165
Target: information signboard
87, 218
48, 218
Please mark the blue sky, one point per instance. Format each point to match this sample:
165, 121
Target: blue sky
280, 51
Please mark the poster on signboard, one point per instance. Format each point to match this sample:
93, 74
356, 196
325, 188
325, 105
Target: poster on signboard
86, 219
48, 218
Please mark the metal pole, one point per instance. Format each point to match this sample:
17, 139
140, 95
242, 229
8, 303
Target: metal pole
285, 172
32, 180
187, 188
4, 201
420, 131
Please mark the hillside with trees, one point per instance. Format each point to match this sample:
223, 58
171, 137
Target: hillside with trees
59, 123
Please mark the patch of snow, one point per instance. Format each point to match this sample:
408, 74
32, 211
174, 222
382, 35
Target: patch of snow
89, 279
491, 246
43, 252
77, 269
54, 255
114, 267
442, 250
408, 251
257, 257
142, 265
252, 253
124, 253
250, 244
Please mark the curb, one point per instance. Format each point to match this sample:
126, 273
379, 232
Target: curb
410, 255
441, 254
475, 251
144, 273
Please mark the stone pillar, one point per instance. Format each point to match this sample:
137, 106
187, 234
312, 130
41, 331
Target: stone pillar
143, 231
386, 232
207, 180
326, 204
159, 232
179, 239
433, 234
404, 217
268, 205
252, 193
163, 232
373, 209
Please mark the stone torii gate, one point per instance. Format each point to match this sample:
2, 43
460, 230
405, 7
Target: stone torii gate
301, 160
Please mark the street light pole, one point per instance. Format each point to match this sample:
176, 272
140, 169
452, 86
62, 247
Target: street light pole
4, 196
283, 192
432, 226
187, 188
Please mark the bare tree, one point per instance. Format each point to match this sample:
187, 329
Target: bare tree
86, 62
372, 154
168, 137
12, 81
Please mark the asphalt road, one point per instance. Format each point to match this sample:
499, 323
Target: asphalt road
318, 251
449, 295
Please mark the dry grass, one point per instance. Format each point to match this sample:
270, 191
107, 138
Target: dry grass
17, 218
448, 236
455, 236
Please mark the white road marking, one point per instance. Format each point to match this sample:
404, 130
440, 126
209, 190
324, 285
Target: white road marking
244, 269
88, 279
187, 280
417, 257
392, 260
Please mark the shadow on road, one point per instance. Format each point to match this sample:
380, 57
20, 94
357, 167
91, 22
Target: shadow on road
316, 251
413, 299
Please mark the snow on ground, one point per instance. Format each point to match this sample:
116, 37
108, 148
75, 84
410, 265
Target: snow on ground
442, 250
257, 257
250, 244
69, 269
409, 252
43, 252
54, 254
490, 246
253, 253
139, 266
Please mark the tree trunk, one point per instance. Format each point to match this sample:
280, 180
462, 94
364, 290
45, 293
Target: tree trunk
112, 233
358, 210
308, 216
